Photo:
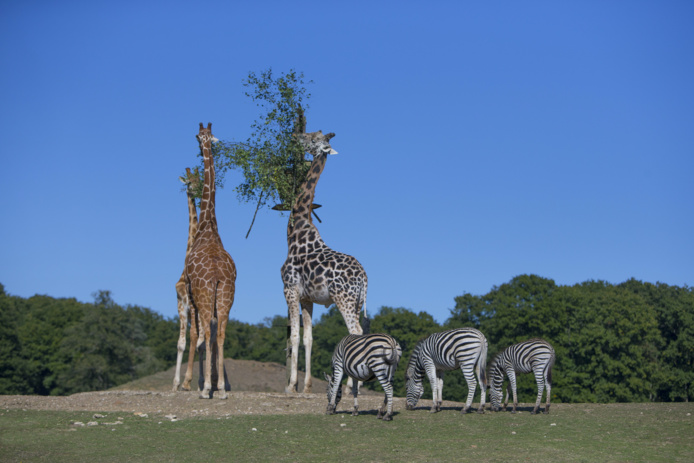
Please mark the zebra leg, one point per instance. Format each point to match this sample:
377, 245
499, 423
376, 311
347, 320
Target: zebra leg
335, 390
307, 313
483, 387
471, 386
508, 395
548, 382
540, 389
387, 386
433, 380
355, 391
512, 380
439, 398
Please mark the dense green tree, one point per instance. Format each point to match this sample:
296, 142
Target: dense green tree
674, 360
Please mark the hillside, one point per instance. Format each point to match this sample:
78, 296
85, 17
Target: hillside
244, 375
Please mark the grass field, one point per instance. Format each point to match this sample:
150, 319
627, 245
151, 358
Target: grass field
578, 432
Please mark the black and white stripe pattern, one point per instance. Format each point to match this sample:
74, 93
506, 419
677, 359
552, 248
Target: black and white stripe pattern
464, 348
364, 358
536, 356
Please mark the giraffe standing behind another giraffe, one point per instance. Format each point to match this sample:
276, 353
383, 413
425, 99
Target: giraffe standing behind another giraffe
210, 275
314, 273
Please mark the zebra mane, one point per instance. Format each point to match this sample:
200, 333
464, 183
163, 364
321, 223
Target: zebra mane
496, 365
414, 357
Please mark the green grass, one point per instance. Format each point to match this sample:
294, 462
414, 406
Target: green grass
582, 432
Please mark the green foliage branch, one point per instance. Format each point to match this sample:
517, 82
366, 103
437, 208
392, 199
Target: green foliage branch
271, 160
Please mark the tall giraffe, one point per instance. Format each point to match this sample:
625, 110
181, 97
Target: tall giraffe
314, 273
211, 276
192, 182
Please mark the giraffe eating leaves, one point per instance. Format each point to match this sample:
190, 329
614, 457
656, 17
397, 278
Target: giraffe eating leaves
314, 273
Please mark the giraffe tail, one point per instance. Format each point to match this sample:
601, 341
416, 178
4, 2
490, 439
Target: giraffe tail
366, 321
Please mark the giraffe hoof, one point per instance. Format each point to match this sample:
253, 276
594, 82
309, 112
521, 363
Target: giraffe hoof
223, 396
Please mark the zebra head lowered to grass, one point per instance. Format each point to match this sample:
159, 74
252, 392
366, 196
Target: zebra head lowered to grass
536, 356
364, 358
464, 348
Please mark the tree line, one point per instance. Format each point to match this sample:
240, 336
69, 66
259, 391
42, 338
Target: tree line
630, 342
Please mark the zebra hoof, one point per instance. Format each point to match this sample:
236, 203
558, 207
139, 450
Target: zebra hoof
409, 407
480, 411
387, 418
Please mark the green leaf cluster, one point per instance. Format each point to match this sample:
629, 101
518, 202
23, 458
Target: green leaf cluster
271, 160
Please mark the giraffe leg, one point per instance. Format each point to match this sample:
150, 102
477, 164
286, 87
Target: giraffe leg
182, 296
307, 313
222, 381
194, 325
291, 294
205, 315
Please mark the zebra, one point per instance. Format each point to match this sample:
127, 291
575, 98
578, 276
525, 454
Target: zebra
364, 358
464, 348
534, 355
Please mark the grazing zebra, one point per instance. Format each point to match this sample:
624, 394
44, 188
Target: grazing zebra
464, 348
364, 358
534, 355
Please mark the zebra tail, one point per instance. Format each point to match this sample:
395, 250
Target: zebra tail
482, 365
393, 358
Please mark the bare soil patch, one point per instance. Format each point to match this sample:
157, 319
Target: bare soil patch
257, 388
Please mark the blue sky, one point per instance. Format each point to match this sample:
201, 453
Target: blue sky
476, 142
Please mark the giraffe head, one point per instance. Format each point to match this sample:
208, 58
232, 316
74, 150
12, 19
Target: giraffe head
316, 143
192, 181
205, 135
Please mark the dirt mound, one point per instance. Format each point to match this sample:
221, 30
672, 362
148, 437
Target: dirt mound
244, 375
256, 388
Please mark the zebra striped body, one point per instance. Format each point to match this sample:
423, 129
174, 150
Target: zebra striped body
536, 356
364, 358
464, 348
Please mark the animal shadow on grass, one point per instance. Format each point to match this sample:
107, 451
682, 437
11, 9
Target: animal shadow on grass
519, 409
454, 409
373, 412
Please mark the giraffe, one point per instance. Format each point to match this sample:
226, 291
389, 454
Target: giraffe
314, 273
210, 275
192, 182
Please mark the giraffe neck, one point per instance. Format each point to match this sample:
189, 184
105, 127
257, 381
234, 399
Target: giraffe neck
192, 221
301, 212
208, 219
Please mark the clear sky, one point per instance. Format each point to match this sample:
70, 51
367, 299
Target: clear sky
477, 141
